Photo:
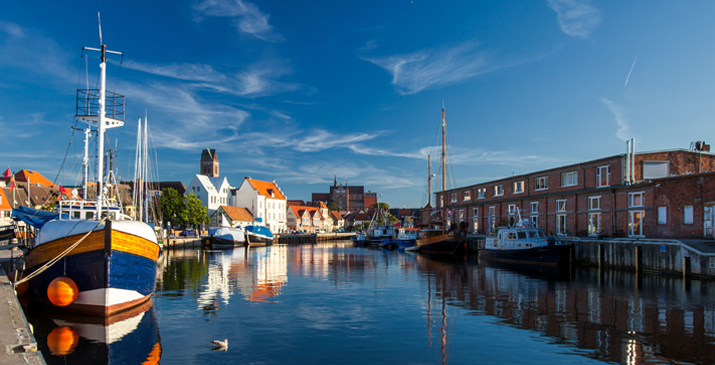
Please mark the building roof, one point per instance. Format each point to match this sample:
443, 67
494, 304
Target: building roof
237, 213
291, 203
299, 210
35, 178
335, 215
5, 203
267, 189
209, 154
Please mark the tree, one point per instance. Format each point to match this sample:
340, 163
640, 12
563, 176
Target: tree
172, 206
195, 212
333, 207
383, 206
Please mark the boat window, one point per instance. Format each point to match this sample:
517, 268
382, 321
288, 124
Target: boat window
75, 215
522, 235
511, 236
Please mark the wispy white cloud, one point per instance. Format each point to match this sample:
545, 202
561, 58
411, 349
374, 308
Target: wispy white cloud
577, 18
258, 80
623, 127
629, 72
246, 17
186, 71
435, 67
43, 57
12, 29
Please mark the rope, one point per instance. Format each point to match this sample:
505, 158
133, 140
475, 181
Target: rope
59, 257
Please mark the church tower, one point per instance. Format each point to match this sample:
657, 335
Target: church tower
209, 163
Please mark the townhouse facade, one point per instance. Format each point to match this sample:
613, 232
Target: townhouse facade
212, 191
664, 194
305, 219
264, 200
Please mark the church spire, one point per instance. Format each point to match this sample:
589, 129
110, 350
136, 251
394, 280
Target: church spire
335, 182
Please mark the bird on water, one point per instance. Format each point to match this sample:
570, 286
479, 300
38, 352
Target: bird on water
220, 345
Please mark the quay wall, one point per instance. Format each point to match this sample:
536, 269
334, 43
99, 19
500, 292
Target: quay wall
670, 257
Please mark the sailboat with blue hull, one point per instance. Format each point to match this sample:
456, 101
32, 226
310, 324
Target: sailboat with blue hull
93, 259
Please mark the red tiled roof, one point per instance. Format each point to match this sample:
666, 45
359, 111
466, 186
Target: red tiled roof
35, 178
266, 188
237, 213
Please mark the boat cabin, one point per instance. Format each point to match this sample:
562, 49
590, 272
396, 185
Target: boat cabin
80, 209
409, 233
516, 238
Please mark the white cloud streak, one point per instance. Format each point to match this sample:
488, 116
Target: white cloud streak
430, 68
623, 127
629, 72
577, 18
246, 17
255, 81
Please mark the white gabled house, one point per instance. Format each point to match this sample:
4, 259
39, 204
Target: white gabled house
265, 200
227, 216
212, 191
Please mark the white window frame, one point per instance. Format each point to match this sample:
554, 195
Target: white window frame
481, 193
498, 190
632, 197
663, 215
493, 213
560, 205
594, 202
688, 214
535, 221
534, 207
594, 230
561, 224
569, 178
461, 215
599, 176
541, 183
466, 195
632, 232
453, 198
511, 209
475, 212
518, 187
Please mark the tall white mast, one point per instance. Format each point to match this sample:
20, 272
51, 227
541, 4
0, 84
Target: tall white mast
145, 174
101, 121
136, 196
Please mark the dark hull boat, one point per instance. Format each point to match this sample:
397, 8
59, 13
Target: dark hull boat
524, 245
258, 236
545, 255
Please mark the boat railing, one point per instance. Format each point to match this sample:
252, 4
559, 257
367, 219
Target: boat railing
74, 208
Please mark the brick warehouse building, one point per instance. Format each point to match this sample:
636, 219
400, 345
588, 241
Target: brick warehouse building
668, 194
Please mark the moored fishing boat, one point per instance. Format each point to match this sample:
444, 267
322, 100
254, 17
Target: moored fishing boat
406, 237
440, 240
92, 259
524, 245
258, 235
226, 237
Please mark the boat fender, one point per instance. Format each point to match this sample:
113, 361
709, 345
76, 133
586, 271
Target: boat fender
62, 291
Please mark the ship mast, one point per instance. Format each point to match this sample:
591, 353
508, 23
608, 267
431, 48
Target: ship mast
100, 119
444, 198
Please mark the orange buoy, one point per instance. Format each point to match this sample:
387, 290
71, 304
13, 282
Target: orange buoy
62, 291
62, 340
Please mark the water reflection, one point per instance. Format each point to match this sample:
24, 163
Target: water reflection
275, 303
131, 337
608, 315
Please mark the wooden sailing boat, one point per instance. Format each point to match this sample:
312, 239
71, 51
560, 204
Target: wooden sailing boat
104, 262
439, 240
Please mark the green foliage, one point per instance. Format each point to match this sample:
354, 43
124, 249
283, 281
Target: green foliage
195, 213
381, 205
333, 207
172, 207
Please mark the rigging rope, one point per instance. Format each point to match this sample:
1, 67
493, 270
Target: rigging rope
59, 257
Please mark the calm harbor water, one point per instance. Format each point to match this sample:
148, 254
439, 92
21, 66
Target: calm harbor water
337, 303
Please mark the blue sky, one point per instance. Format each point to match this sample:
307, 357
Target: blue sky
302, 91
